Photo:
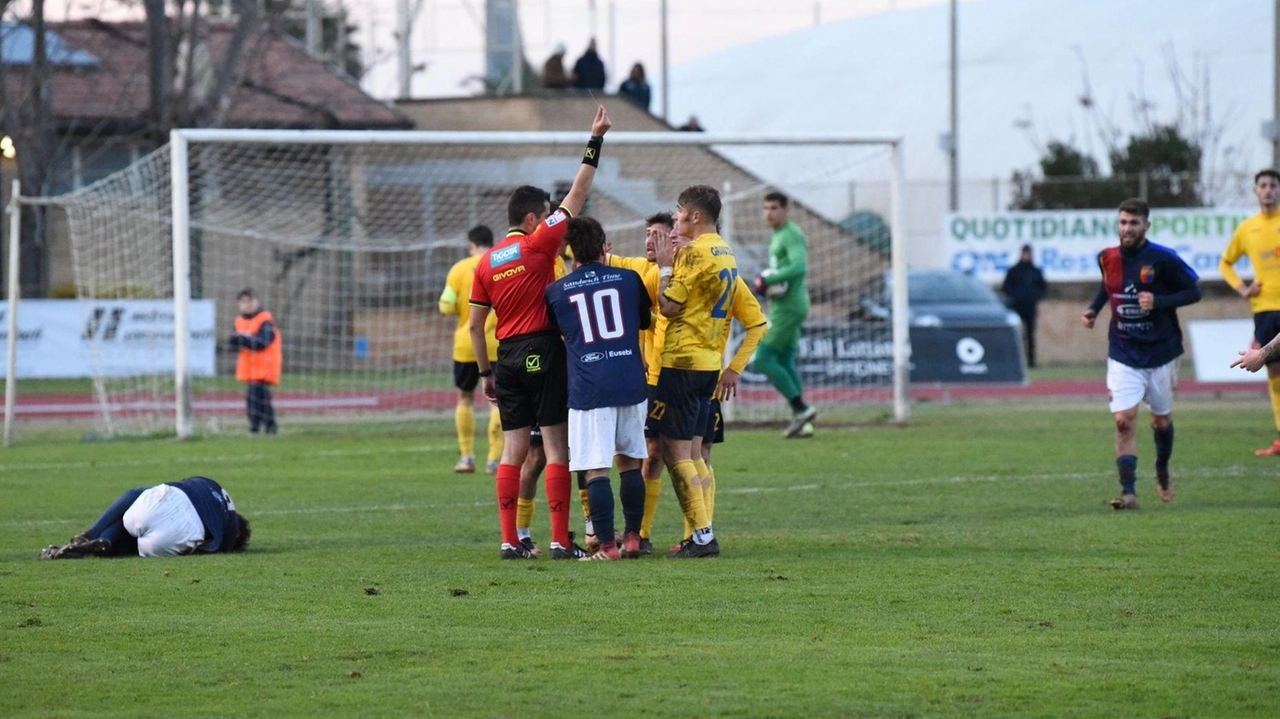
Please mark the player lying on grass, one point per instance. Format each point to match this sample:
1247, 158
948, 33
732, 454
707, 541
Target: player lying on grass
194, 515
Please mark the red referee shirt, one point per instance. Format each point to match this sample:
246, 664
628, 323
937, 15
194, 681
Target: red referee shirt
512, 277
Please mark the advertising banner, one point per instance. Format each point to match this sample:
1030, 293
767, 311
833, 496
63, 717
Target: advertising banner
1215, 344
107, 338
1065, 243
861, 355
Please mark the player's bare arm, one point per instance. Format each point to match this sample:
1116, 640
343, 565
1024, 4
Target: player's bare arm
577, 196
480, 343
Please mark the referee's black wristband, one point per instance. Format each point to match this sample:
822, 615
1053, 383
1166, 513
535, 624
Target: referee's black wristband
487, 373
592, 154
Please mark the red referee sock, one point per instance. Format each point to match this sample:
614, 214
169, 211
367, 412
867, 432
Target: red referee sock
508, 481
559, 487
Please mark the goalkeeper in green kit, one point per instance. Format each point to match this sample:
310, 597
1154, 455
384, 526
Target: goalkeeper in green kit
783, 282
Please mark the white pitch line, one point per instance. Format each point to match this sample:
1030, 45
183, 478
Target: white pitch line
252, 456
1226, 471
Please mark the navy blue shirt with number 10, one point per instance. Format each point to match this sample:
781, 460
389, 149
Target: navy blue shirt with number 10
600, 311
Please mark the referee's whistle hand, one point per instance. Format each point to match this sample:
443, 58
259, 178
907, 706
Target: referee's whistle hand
490, 389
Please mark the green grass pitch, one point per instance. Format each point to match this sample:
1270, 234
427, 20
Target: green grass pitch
963, 566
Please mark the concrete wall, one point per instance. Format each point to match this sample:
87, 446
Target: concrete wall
1063, 340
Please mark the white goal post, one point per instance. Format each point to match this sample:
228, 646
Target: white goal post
352, 230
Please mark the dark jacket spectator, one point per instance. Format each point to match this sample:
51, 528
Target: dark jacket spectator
588, 71
1024, 285
553, 75
692, 125
636, 88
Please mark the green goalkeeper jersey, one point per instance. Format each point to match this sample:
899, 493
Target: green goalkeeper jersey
789, 256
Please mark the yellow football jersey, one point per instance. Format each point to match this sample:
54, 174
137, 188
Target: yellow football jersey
704, 280
1259, 238
746, 310
454, 302
650, 339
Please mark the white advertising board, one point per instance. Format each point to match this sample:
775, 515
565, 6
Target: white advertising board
1065, 243
109, 338
1215, 344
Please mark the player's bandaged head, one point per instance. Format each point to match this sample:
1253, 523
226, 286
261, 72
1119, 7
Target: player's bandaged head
526, 199
701, 198
586, 239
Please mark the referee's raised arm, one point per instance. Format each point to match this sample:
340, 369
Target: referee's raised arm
577, 196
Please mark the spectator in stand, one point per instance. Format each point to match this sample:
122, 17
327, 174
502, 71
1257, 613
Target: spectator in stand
1024, 286
692, 125
635, 88
553, 74
588, 71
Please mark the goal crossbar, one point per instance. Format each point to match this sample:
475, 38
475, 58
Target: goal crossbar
180, 157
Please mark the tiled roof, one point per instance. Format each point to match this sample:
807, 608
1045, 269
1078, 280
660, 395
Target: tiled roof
282, 87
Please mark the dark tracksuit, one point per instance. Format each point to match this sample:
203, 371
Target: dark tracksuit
1024, 285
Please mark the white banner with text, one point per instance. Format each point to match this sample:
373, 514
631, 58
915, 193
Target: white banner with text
1065, 243
105, 338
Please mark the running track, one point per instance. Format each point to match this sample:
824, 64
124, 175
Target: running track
72, 406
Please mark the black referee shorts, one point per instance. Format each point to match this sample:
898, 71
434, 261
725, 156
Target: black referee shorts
466, 376
533, 381
683, 401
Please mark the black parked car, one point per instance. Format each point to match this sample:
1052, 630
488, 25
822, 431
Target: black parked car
941, 298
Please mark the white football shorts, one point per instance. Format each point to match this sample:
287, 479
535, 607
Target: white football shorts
165, 522
1128, 386
596, 435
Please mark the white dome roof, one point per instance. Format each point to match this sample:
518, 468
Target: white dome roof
1019, 60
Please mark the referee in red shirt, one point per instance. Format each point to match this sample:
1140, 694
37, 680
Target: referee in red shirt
530, 381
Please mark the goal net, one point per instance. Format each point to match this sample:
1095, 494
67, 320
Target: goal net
347, 238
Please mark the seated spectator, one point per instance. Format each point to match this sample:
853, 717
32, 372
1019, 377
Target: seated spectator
553, 74
691, 125
588, 71
635, 88
194, 515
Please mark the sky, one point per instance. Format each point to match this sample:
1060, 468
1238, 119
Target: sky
448, 35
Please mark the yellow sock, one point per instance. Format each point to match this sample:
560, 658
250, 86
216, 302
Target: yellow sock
652, 490
495, 435
465, 419
709, 493
1274, 385
684, 479
586, 504
524, 513
704, 473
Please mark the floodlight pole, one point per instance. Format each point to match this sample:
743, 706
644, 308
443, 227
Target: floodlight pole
666, 78
953, 145
1275, 89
